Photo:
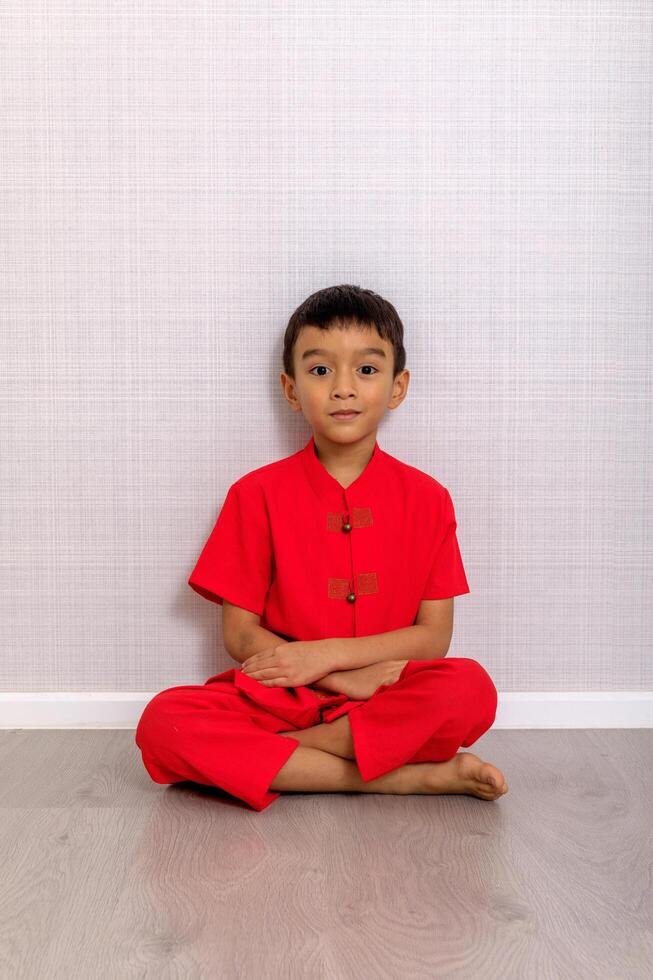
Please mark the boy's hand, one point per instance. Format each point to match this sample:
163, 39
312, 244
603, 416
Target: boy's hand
361, 683
294, 664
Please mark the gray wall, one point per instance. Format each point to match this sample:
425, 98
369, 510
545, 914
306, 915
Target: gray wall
177, 177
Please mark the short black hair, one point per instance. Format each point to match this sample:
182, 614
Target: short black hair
345, 306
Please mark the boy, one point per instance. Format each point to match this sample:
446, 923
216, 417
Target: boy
336, 568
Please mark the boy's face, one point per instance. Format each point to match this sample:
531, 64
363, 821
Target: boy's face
344, 376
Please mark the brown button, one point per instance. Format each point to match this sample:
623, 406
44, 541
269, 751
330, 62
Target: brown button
346, 527
351, 597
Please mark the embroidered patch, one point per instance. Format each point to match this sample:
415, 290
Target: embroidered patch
359, 517
340, 588
367, 583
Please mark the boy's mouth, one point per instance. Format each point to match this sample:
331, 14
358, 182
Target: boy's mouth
344, 415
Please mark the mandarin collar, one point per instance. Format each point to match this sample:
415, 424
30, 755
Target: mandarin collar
327, 487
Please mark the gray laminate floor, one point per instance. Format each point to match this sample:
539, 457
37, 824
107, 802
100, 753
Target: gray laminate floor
106, 874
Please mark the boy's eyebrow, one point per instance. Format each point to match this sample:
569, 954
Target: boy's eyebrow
363, 350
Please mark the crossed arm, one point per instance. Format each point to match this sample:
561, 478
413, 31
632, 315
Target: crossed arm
427, 639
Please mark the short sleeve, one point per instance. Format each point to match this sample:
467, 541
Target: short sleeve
236, 561
447, 575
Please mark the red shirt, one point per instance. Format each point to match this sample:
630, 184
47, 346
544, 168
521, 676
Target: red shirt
315, 560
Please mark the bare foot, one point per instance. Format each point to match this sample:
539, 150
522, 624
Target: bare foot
464, 773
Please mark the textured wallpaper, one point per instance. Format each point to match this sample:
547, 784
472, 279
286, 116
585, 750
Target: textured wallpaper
178, 177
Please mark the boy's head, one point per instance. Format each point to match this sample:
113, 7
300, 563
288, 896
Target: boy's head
341, 322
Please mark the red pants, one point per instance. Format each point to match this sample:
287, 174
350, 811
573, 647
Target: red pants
223, 733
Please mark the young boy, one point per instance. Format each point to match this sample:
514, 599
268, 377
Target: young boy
336, 568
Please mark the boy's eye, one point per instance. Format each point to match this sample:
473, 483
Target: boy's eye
323, 365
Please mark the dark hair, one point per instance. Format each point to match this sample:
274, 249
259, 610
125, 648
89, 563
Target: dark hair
342, 306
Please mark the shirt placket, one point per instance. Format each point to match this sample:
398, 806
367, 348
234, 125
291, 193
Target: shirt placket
347, 513
353, 520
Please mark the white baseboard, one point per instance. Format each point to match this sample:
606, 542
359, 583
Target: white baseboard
532, 709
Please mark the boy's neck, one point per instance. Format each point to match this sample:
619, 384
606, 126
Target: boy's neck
345, 462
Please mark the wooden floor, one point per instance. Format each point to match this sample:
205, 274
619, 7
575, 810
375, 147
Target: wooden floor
106, 874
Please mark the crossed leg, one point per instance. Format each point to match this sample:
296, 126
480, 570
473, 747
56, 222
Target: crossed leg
334, 737
465, 773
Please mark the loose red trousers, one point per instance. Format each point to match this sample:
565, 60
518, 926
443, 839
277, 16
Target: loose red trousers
224, 732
